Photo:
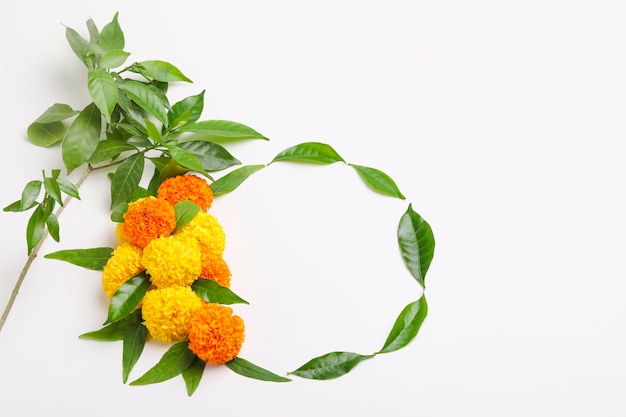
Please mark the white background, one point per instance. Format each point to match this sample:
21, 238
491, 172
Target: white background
503, 124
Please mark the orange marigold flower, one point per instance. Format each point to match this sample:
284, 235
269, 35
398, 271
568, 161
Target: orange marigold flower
208, 231
186, 187
215, 334
123, 264
172, 260
167, 311
147, 219
214, 267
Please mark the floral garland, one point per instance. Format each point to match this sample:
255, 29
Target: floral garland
167, 279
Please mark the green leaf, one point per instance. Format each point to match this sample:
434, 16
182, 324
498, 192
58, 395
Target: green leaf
193, 375
56, 113
146, 98
185, 212
417, 244
94, 34
82, 138
315, 152
153, 185
171, 169
79, 45
30, 193
93, 258
329, 366
212, 156
46, 134
216, 130
378, 181
53, 226
233, 179
127, 297
153, 131
162, 71
109, 149
250, 370
186, 159
16, 206
114, 331
126, 179
111, 36
35, 228
134, 342
406, 326
187, 110
103, 91
52, 188
212, 292
68, 188
174, 362
113, 59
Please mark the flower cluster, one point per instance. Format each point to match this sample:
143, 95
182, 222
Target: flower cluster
174, 258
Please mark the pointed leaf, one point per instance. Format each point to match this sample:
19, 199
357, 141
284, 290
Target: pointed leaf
79, 45
212, 292
16, 206
417, 244
187, 110
216, 130
82, 138
378, 181
111, 36
93, 258
186, 159
250, 370
315, 152
113, 59
153, 131
126, 179
329, 366
212, 156
52, 188
162, 71
35, 228
109, 149
94, 33
52, 223
68, 188
56, 113
233, 179
174, 362
127, 297
193, 375
103, 91
114, 331
46, 134
30, 193
406, 326
171, 169
134, 342
185, 212
146, 98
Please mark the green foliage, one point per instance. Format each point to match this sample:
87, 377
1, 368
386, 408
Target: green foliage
417, 244
212, 292
173, 363
127, 297
329, 366
250, 370
93, 258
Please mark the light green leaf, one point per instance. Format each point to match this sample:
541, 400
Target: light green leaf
212, 156
109, 149
153, 131
79, 45
113, 59
82, 138
46, 134
417, 244
315, 152
193, 375
186, 159
56, 113
329, 366
127, 297
53, 226
103, 91
250, 370
126, 179
185, 212
52, 188
35, 228
406, 326
162, 71
94, 33
221, 130
92, 258
212, 292
187, 110
134, 342
146, 98
114, 331
233, 179
30, 193
111, 36
174, 362
16, 206
378, 181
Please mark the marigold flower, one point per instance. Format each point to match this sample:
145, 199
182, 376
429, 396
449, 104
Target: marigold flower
147, 219
214, 267
123, 264
208, 231
120, 235
186, 187
172, 261
167, 311
215, 334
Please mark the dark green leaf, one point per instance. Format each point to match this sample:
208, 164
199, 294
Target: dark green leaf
186, 159
185, 212
79, 45
216, 130
35, 228
103, 91
315, 152
250, 370
147, 99
329, 366
68, 188
153, 185
187, 110
111, 36
113, 59
117, 212
378, 181
109, 149
233, 179
406, 326
82, 138
174, 362
417, 244
53, 226
171, 169
127, 297
134, 342
126, 179
56, 113
193, 375
46, 134
116, 330
162, 71
52, 188
93, 258
212, 292
212, 156
30, 193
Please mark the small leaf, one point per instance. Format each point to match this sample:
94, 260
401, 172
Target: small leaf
16, 206
153, 131
315, 152
30, 193
216, 130
79, 45
171, 169
329, 366
113, 59
82, 137
52, 188
103, 91
111, 36
35, 228
187, 110
185, 212
53, 226
162, 71
212, 156
94, 34
127, 297
233, 179
126, 179
46, 134
212, 292
193, 375
114, 331
174, 362
406, 326
109, 149
378, 181
250, 370
146, 98
93, 258
56, 113
134, 342
417, 244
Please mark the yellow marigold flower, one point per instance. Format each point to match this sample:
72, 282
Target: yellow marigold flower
166, 312
120, 235
214, 267
186, 187
172, 260
147, 219
208, 231
123, 264
215, 334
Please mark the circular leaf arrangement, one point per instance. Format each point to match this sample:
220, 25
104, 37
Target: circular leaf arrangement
167, 278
